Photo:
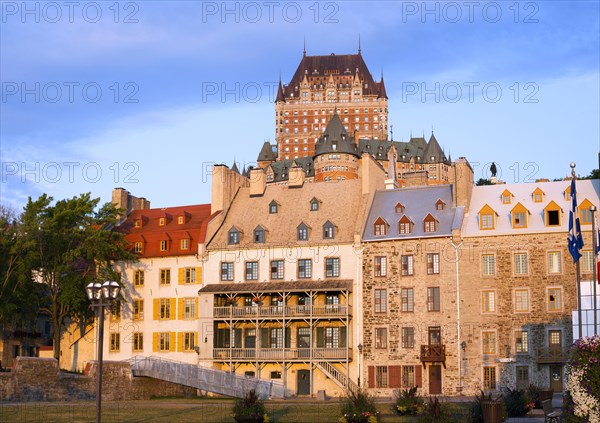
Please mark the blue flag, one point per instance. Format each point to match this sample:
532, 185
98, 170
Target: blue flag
575, 239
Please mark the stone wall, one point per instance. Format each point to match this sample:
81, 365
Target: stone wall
39, 379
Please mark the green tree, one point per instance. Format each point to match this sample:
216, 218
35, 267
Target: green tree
482, 181
65, 246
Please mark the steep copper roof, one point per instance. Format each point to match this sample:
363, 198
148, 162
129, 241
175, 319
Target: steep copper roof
335, 139
150, 233
336, 65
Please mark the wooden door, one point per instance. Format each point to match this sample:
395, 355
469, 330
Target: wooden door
556, 378
435, 379
303, 383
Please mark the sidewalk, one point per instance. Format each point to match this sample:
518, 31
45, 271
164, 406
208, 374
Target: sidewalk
538, 415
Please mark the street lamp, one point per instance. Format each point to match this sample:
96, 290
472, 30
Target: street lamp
101, 295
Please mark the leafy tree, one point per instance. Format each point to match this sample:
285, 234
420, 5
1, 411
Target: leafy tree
594, 174
482, 181
65, 246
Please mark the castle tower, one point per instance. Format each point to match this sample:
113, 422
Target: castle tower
336, 154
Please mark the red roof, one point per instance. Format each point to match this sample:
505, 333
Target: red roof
155, 229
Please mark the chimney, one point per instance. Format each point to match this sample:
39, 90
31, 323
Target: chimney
461, 178
258, 182
225, 184
296, 177
122, 199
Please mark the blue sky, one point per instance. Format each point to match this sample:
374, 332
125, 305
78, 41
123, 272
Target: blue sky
147, 95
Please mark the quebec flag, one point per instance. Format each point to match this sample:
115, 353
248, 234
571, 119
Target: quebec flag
575, 239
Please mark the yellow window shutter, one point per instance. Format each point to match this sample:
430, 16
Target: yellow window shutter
181, 308
196, 308
181, 276
180, 341
196, 341
156, 308
172, 306
172, 341
155, 341
198, 275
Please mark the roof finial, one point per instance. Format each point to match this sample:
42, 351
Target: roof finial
431, 129
392, 132
304, 51
358, 43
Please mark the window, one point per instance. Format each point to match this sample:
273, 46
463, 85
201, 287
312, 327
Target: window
164, 341
302, 232
380, 266
277, 269
408, 337
488, 301
586, 216
487, 221
488, 264
332, 267
433, 263
554, 262
506, 197
189, 308
588, 261
137, 223
138, 247
380, 227
138, 341
380, 338
138, 278
518, 219
522, 377
429, 225
165, 276
521, 341
276, 375
115, 341
251, 271
489, 342
259, 235
163, 245
520, 263
273, 207
328, 230
521, 300
189, 341
180, 220
190, 275
554, 299
489, 378
226, 271
138, 309
408, 300
381, 376
184, 244
233, 237
439, 205
404, 226
406, 262
314, 205
433, 299
161, 221
399, 208
408, 377
381, 300
552, 217
115, 310
304, 268
164, 311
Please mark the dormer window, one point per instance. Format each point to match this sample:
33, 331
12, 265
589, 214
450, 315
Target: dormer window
138, 247
328, 230
380, 227
273, 205
137, 223
506, 197
404, 226
314, 204
302, 232
180, 220
552, 214
399, 208
439, 205
259, 235
585, 215
538, 195
486, 218
233, 236
162, 245
429, 224
161, 221
519, 216
184, 244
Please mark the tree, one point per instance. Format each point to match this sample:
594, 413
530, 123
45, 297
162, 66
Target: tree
66, 246
482, 181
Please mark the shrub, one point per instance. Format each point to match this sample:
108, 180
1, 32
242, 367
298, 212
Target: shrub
583, 380
476, 409
358, 407
516, 402
250, 409
436, 411
408, 403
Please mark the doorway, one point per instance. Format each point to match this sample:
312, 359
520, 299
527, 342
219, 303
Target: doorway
435, 379
303, 387
556, 378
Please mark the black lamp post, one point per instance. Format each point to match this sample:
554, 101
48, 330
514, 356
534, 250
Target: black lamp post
101, 295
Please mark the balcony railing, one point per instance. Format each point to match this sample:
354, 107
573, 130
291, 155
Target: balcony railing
433, 353
267, 354
278, 311
551, 355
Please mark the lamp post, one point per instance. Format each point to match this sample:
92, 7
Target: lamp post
101, 295
360, 350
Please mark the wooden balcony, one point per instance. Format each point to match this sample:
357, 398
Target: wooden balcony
433, 354
278, 354
291, 311
547, 355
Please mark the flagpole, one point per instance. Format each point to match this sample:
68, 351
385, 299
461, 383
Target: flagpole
577, 270
594, 265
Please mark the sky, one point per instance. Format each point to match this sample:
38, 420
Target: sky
147, 95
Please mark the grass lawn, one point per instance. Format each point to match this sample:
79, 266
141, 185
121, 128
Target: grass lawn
185, 410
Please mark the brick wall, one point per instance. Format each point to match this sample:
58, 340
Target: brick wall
38, 379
